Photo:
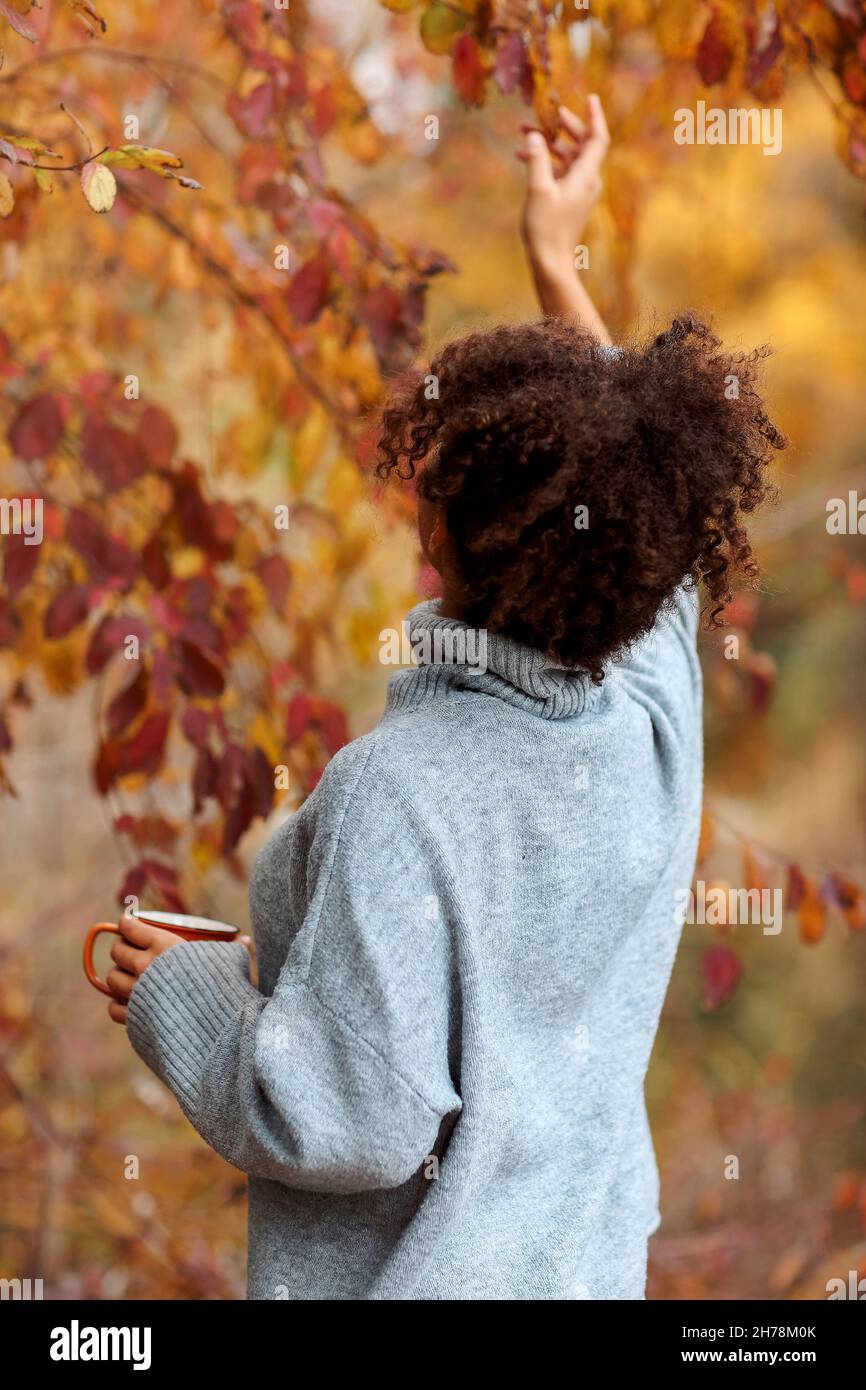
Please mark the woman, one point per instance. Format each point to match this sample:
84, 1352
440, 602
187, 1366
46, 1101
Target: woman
465, 935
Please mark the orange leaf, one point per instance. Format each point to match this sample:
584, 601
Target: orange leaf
707, 836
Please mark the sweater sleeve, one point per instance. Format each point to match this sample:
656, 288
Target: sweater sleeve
662, 673
339, 1081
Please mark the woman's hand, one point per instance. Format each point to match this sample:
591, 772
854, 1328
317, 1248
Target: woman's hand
132, 953
559, 199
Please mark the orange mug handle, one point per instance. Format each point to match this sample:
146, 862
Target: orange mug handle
89, 968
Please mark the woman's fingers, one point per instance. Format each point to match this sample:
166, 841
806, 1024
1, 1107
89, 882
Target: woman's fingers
117, 1011
573, 124
139, 933
121, 983
130, 958
598, 142
538, 163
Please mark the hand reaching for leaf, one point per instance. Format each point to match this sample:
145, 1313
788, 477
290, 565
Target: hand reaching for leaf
564, 182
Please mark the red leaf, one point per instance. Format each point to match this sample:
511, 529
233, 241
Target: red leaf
324, 112
195, 724
300, 714
512, 68
19, 562
68, 610
260, 777
767, 49
158, 436
115, 456
382, 311
721, 969
252, 114
162, 876
109, 639
197, 519
798, 886
147, 830
276, 577
110, 560
762, 680
204, 779
198, 671
714, 57
332, 723
308, 291
144, 751
37, 428
128, 705
240, 816
154, 564
469, 70
256, 167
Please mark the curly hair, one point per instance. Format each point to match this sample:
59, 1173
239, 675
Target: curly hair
665, 445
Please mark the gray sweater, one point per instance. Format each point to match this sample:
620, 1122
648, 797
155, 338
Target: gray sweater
464, 940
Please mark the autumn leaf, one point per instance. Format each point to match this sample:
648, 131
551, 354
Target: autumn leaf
849, 898
109, 559
512, 68
253, 113
768, 47
17, 22
110, 638
276, 577
300, 715
714, 57
307, 293
802, 897
198, 672
128, 704
37, 428
440, 25
161, 162
470, 70
99, 186
68, 610
721, 969
157, 434
19, 563
114, 455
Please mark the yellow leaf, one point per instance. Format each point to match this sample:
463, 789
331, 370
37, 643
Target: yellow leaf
143, 157
187, 562
440, 25
99, 186
7, 196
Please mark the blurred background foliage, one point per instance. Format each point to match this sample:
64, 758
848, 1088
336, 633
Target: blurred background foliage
307, 130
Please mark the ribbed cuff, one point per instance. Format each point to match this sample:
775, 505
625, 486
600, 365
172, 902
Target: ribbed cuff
181, 1004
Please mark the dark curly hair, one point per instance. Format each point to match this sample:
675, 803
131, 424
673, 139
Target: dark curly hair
666, 446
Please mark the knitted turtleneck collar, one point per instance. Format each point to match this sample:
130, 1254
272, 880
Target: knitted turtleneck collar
453, 656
